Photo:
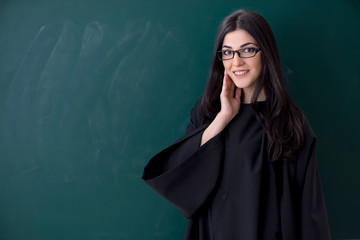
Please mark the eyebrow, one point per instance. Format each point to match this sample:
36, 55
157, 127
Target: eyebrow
244, 45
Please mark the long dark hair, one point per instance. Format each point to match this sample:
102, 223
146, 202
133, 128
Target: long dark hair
283, 120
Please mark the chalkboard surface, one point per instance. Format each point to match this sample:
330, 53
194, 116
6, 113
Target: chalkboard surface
91, 90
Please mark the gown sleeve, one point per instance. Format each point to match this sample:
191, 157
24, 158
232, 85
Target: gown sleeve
313, 219
185, 173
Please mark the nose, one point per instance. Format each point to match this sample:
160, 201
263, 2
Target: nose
237, 60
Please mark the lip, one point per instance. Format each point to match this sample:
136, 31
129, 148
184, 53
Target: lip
240, 70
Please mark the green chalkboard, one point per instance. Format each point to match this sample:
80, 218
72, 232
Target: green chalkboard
91, 90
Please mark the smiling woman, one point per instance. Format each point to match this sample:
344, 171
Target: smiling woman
246, 168
243, 68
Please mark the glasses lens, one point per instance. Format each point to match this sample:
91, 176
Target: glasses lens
247, 52
226, 54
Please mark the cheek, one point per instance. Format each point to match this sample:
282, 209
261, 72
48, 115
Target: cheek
257, 65
226, 66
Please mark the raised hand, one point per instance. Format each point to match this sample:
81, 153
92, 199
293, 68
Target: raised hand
230, 104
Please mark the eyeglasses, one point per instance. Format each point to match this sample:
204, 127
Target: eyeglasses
227, 54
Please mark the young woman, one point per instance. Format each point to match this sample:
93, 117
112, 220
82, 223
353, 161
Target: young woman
246, 168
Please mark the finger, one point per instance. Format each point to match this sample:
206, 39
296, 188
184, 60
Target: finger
223, 89
232, 86
225, 82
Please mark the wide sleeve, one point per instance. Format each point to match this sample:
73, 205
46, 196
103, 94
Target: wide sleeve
185, 173
313, 216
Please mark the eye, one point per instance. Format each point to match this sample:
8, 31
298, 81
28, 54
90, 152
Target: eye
227, 52
248, 50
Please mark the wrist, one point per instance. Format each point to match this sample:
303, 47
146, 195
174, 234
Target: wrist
224, 117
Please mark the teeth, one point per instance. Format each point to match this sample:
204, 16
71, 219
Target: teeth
240, 73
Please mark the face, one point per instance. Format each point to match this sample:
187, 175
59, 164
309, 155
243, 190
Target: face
243, 71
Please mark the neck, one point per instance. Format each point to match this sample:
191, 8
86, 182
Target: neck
247, 96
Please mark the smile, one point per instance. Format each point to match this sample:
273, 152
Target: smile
240, 73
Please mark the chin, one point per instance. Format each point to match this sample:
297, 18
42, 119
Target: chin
243, 83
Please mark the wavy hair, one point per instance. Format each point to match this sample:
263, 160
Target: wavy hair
283, 120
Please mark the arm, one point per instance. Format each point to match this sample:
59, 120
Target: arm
186, 172
230, 106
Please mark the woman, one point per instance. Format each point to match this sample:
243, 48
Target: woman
246, 168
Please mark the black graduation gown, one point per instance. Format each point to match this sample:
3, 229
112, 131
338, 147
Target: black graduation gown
229, 189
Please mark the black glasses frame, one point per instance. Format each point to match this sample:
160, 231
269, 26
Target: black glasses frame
238, 52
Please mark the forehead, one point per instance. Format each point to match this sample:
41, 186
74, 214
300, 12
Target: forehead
237, 38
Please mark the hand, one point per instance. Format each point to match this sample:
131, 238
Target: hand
230, 105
